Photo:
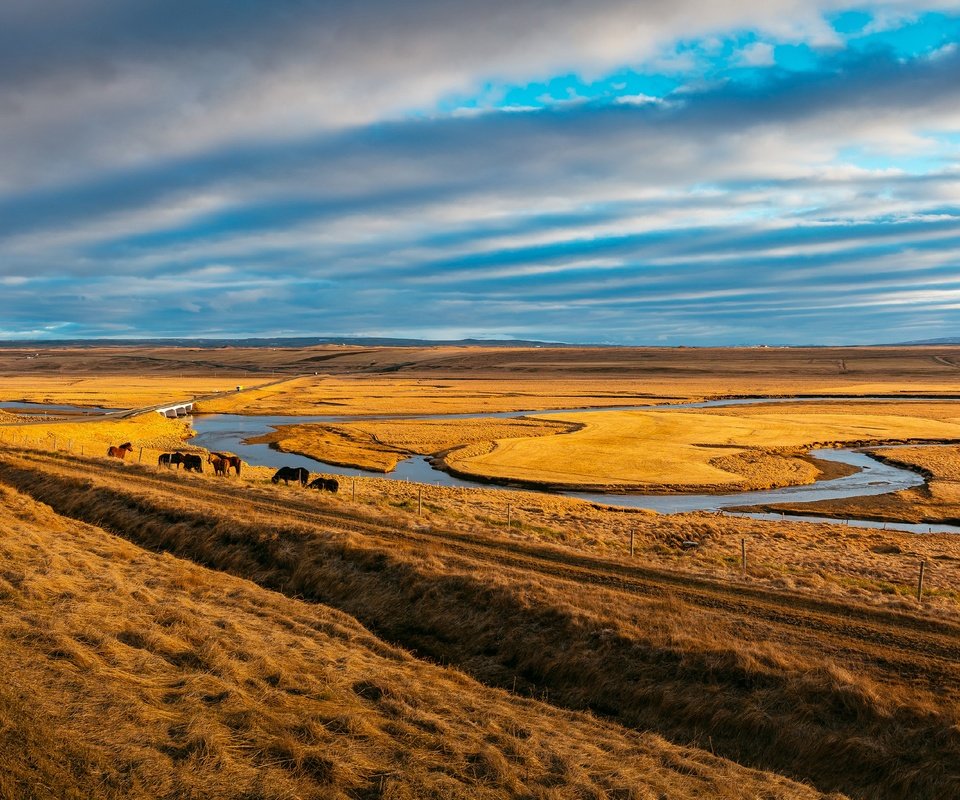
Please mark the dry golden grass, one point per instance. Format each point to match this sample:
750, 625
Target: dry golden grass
878, 567
383, 396
597, 375
115, 391
378, 445
135, 675
472, 379
836, 694
150, 432
751, 448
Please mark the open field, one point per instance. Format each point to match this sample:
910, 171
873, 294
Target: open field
465, 379
746, 448
250, 675
878, 567
834, 693
378, 445
135, 675
378, 396
114, 391
150, 433
730, 449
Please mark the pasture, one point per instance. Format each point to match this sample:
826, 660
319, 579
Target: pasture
680, 450
378, 445
778, 679
145, 676
401, 640
113, 391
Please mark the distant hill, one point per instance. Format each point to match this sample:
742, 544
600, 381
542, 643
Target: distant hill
300, 341
946, 340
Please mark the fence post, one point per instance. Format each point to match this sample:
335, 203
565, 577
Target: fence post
354, 488
509, 515
420, 501
743, 556
140, 456
920, 583
631, 544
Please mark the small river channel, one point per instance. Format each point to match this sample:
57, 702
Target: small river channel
229, 432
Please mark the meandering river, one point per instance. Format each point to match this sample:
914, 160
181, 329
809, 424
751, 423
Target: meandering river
230, 432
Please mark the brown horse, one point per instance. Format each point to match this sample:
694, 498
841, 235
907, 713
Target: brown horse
121, 451
232, 461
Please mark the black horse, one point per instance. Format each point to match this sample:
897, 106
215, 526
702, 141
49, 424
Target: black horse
192, 463
169, 459
287, 474
325, 484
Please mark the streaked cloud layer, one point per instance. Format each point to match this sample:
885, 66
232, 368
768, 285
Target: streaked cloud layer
681, 172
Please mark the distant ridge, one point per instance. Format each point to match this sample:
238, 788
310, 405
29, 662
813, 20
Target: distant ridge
946, 340
299, 341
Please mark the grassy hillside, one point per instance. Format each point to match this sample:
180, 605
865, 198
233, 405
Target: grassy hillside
135, 675
836, 694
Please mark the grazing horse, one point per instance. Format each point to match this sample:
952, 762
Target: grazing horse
219, 465
169, 459
121, 451
192, 463
232, 461
287, 474
325, 484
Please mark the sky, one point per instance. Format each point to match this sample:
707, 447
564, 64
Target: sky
664, 172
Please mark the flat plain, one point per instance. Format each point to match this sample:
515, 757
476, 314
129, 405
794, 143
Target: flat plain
173, 635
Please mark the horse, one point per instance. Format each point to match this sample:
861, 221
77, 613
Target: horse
325, 484
219, 465
232, 461
287, 474
169, 459
121, 451
192, 463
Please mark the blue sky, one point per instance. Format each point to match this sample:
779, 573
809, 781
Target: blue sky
695, 173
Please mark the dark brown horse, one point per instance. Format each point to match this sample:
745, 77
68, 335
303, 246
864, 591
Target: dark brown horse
121, 451
287, 474
219, 465
169, 459
231, 461
325, 484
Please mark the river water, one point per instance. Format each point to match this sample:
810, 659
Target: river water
229, 432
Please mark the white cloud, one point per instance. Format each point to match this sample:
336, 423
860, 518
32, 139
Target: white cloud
756, 54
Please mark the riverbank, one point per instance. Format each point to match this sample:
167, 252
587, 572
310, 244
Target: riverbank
937, 501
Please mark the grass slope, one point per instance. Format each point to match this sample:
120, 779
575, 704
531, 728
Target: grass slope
135, 675
841, 696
